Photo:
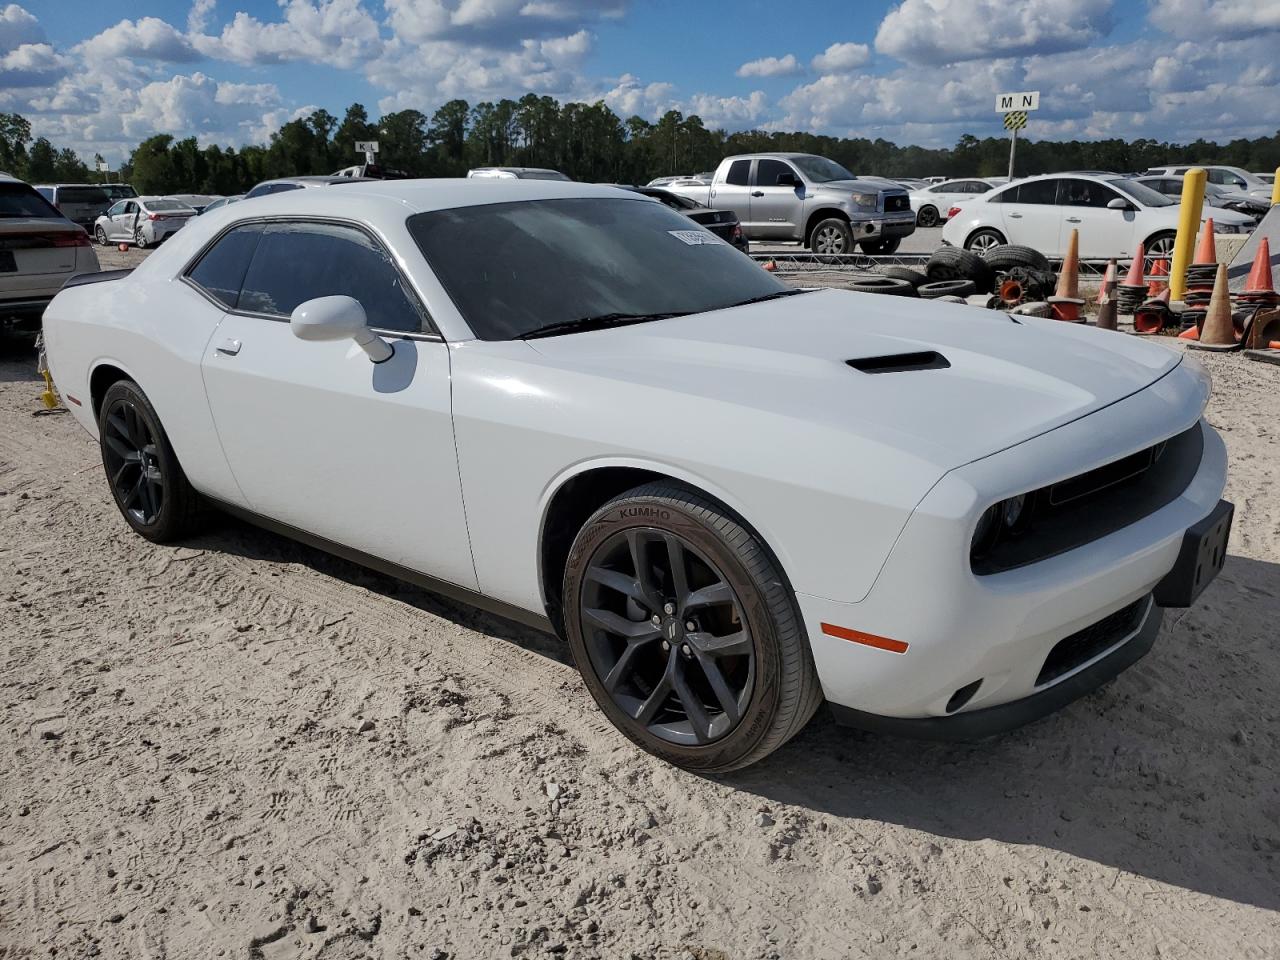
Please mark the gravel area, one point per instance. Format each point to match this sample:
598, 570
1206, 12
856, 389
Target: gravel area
241, 747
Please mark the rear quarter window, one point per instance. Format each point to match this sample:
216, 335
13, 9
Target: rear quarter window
221, 269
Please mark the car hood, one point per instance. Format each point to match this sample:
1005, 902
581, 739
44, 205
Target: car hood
860, 186
787, 361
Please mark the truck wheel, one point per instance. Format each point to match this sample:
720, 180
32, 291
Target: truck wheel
832, 236
880, 247
686, 632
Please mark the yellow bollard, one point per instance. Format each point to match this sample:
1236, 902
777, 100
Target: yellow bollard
1275, 189
1188, 227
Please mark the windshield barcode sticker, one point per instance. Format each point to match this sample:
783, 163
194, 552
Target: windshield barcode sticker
695, 238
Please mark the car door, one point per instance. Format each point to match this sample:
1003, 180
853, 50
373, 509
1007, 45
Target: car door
1031, 215
123, 223
733, 193
109, 228
775, 206
317, 436
1104, 232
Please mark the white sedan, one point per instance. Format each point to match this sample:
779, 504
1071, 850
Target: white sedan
142, 221
1113, 215
932, 203
569, 404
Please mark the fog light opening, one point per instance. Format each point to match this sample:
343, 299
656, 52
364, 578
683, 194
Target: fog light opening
963, 696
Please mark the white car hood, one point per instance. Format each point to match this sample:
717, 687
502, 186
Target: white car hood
1007, 381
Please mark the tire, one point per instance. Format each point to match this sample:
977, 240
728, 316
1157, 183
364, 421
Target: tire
1159, 246
881, 247
770, 682
139, 238
913, 276
101, 236
982, 240
129, 433
831, 236
947, 288
928, 216
890, 285
1006, 256
952, 263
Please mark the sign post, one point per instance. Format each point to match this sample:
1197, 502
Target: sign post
1015, 107
104, 167
368, 147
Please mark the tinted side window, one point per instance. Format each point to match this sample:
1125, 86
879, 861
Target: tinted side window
220, 272
738, 171
768, 171
46, 192
1038, 191
1085, 193
295, 262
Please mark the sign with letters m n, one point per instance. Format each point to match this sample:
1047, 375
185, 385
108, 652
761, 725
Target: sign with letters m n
1008, 102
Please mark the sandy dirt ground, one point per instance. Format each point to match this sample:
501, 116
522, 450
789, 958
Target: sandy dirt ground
240, 747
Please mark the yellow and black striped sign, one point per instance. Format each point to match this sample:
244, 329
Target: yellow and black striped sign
1015, 120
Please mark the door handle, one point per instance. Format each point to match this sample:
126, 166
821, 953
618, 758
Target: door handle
757, 193
1015, 216
1073, 219
230, 346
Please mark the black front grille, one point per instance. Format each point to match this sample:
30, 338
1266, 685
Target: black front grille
1083, 645
897, 203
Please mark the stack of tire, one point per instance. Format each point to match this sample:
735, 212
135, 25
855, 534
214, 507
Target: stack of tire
909, 282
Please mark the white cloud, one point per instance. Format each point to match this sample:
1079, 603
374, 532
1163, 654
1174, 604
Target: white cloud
841, 58
341, 33
199, 14
771, 67
629, 97
32, 65
147, 38
951, 31
729, 113
18, 26
1198, 19
494, 23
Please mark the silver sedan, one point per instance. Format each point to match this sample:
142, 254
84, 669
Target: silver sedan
142, 221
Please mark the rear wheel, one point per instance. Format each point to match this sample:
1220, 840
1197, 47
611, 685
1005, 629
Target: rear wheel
927, 216
142, 470
980, 241
685, 631
831, 236
139, 238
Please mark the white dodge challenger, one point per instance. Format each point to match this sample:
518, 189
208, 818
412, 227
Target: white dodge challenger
734, 499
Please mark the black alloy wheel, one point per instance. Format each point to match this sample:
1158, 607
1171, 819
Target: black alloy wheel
667, 636
132, 459
928, 216
685, 630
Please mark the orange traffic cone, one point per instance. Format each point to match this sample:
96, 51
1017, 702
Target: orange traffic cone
1108, 283
1069, 278
1134, 279
770, 265
1158, 269
1207, 252
122, 247
1218, 332
1191, 333
1260, 276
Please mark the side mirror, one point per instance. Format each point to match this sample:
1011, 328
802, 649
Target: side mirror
1119, 204
338, 318
788, 180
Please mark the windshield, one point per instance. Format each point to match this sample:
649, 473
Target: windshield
1142, 193
820, 169
169, 205
557, 261
20, 200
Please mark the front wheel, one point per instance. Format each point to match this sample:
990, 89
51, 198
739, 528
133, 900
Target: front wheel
142, 470
1159, 247
101, 236
685, 631
832, 236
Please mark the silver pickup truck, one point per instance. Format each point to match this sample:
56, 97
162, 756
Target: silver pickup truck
806, 198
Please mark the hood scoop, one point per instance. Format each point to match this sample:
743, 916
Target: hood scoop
901, 362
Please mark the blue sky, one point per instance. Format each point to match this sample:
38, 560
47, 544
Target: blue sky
100, 76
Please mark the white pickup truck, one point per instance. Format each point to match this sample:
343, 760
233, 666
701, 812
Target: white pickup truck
807, 198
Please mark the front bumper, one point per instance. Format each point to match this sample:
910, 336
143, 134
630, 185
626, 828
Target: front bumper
880, 227
998, 631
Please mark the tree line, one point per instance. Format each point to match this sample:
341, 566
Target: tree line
588, 142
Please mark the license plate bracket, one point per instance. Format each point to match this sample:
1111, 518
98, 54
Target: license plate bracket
1203, 552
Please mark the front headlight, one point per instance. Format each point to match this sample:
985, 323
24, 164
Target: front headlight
864, 200
1006, 518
